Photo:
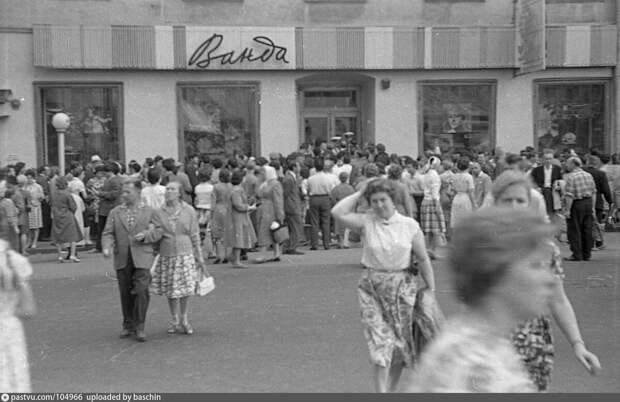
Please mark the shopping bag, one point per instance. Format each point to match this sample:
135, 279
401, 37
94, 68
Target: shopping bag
205, 285
279, 232
428, 319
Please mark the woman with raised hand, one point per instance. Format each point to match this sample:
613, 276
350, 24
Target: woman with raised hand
387, 289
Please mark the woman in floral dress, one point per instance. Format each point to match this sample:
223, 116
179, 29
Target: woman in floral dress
35, 216
16, 301
180, 258
533, 338
387, 289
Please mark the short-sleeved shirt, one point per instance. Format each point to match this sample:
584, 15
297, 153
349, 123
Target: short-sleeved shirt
388, 243
579, 184
322, 183
204, 194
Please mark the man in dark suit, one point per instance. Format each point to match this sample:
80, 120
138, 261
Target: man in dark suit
603, 193
292, 206
544, 177
109, 197
130, 233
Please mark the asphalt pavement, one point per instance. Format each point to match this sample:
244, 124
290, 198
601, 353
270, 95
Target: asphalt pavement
291, 326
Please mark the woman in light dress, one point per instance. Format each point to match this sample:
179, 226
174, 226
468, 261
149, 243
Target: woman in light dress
271, 209
388, 287
464, 201
16, 301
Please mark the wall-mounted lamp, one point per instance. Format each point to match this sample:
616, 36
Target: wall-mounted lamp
6, 95
385, 83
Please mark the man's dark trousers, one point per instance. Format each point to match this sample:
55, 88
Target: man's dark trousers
579, 229
295, 230
133, 284
320, 209
547, 193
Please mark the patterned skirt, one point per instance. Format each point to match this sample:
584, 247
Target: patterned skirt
431, 217
387, 300
175, 276
35, 218
534, 343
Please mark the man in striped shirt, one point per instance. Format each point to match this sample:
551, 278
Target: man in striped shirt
580, 189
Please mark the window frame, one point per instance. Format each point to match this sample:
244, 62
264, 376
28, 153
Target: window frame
609, 140
41, 138
252, 85
493, 109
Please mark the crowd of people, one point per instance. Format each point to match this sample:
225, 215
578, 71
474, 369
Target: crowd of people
163, 221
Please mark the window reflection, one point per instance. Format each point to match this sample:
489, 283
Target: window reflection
570, 116
94, 129
458, 117
218, 120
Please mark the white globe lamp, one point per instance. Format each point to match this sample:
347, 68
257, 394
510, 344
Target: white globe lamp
61, 123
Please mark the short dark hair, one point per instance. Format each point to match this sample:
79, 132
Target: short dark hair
153, 175
135, 182
237, 177
135, 166
168, 164
30, 172
376, 186
319, 164
462, 164
217, 163
395, 172
204, 174
224, 175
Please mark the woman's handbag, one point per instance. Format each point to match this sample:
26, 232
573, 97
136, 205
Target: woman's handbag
427, 319
279, 232
205, 285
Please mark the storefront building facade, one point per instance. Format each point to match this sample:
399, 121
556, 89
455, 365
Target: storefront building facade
471, 80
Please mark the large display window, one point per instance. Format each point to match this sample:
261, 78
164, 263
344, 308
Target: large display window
218, 119
571, 115
96, 125
457, 116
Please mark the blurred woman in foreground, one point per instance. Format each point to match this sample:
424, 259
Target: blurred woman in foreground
499, 266
533, 339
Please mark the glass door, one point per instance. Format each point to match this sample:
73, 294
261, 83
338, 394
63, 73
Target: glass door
325, 126
329, 112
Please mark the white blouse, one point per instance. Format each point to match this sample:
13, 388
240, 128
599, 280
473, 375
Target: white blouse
432, 185
387, 243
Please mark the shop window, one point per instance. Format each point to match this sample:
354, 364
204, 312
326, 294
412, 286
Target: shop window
458, 116
218, 120
571, 115
95, 129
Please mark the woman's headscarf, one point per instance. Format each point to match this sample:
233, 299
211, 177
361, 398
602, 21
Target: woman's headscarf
270, 173
433, 162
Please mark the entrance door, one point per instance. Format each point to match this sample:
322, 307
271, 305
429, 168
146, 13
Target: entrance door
326, 125
329, 112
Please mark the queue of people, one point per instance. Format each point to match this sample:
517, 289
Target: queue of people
163, 222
